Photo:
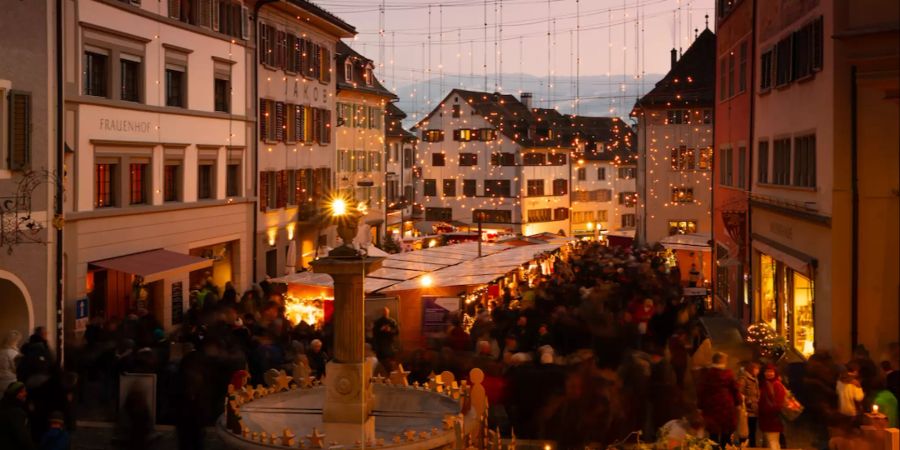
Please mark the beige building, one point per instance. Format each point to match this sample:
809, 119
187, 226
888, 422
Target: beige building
399, 177
360, 136
158, 121
28, 166
824, 201
296, 150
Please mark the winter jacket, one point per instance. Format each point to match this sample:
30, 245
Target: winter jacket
749, 388
771, 401
718, 398
55, 439
14, 432
849, 394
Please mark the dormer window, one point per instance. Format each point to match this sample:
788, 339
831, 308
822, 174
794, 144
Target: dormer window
370, 78
348, 70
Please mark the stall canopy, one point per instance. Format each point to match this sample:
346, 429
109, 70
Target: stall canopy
154, 265
698, 242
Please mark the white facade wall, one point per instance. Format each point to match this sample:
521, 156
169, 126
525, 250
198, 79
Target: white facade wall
606, 214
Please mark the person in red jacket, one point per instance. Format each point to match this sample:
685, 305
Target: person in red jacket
641, 313
718, 398
771, 400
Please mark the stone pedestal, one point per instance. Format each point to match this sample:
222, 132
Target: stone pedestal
348, 398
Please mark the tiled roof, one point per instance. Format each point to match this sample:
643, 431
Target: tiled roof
358, 80
321, 12
692, 80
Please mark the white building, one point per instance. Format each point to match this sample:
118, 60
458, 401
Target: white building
158, 129
296, 89
399, 187
487, 157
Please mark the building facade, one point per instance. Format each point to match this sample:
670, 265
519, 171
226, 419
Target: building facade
674, 123
824, 203
486, 158
296, 90
158, 122
28, 168
360, 136
731, 173
399, 178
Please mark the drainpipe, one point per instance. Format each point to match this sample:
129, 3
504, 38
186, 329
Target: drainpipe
751, 89
854, 227
255, 82
58, 203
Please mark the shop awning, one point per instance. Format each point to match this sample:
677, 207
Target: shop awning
154, 265
802, 265
696, 242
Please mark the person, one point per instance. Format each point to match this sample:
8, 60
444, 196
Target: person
9, 353
14, 431
849, 391
36, 356
317, 358
772, 396
56, 437
384, 332
641, 313
886, 402
694, 276
677, 430
748, 386
717, 397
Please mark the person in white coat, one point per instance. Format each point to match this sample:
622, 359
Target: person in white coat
9, 353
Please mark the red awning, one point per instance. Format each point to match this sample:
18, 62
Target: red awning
154, 264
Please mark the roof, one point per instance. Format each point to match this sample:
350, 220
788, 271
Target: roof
324, 14
692, 80
616, 137
394, 123
357, 80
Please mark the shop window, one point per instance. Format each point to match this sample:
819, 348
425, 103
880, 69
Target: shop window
682, 227
768, 303
802, 325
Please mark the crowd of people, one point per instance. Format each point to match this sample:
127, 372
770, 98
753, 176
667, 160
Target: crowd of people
603, 349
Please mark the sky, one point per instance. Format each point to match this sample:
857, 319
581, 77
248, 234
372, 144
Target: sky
619, 39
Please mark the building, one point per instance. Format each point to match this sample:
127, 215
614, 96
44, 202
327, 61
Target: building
158, 156
29, 168
489, 158
603, 176
824, 202
731, 173
360, 136
296, 90
399, 175
674, 135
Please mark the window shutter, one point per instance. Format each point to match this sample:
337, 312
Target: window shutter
214, 9
175, 9
263, 195
280, 189
264, 119
308, 124
279, 121
316, 118
245, 23
299, 198
19, 130
326, 128
326, 65
262, 42
204, 11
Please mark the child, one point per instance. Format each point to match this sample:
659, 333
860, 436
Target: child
56, 438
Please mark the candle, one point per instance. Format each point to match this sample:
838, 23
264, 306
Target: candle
875, 409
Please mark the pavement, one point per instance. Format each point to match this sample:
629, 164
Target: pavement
99, 436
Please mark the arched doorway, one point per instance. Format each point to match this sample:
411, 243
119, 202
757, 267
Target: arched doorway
15, 304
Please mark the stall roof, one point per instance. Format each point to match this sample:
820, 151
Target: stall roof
693, 241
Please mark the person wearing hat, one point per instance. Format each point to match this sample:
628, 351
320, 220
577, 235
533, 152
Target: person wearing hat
56, 437
14, 432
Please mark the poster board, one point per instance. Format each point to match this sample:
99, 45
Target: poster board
436, 312
144, 385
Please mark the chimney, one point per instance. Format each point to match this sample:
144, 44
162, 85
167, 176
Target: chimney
674, 57
526, 99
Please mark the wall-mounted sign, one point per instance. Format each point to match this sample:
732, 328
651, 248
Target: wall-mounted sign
125, 125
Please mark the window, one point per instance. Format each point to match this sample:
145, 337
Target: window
205, 180
601, 173
627, 173
678, 117
682, 195
560, 187
742, 168
817, 44
468, 159
18, 134
130, 67
582, 216
707, 116
267, 191
408, 158
462, 135
137, 183
290, 187
682, 158
450, 187
535, 188
581, 173
762, 169
105, 185
628, 220
438, 214
705, 160
805, 161
172, 181
430, 188
807, 49
781, 162
682, 227
348, 70
470, 188
486, 134
432, 135
345, 115
369, 76
222, 92
225, 16
560, 213
731, 74
503, 159
628, 199
602, 216
533, 159
556, 159
497, 188
438, 159
742, 67
726, 167
783, 62
602, 195
175, 87
723, 80
540, 215
492, 216
457, 111
765, 70
96, 73
267, 120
